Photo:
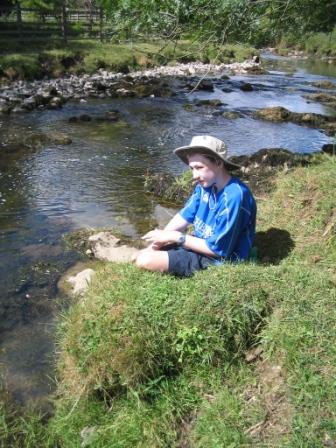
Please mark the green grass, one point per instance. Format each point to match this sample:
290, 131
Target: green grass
304, 206
314, 44
147, 360
302, 337
18, 429
35, 59
321, 44
140, 329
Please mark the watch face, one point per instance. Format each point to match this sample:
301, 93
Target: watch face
182, 239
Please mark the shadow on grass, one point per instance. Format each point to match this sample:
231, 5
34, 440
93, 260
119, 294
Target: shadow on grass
273, 245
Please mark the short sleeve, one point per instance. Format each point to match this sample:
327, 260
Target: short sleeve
188, 212
227, 228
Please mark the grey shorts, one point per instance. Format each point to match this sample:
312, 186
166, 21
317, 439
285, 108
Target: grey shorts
184, 262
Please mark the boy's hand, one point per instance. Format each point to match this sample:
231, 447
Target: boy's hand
159, 238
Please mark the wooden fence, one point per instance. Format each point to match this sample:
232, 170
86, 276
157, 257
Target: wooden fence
30, 23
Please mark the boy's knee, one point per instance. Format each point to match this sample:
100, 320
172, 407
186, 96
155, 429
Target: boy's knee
152, 260
143, 260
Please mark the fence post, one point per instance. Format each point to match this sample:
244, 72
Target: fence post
19, 19
64, 24
101, 18
90, 24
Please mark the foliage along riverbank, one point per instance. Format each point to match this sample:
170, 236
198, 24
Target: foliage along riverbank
240, 355
27, 61
320, 45
54, 59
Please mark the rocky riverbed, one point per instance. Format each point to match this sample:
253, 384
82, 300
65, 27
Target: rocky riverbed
24, 96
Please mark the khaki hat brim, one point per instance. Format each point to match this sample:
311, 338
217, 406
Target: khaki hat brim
184, 151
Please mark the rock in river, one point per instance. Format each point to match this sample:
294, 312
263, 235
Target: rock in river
81, 281
105, 246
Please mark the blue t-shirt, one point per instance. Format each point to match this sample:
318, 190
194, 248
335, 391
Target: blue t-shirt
225, 219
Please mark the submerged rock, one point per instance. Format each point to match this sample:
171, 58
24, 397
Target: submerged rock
227, 90
324, 84
322, 97
110, 115
27, 140
211, 102
59, 138
230, 115
205, 84
188, 107
81, 117
246, 87
280, 114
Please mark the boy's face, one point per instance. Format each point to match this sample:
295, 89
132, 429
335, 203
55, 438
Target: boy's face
204, 171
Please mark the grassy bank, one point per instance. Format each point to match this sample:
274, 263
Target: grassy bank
236, 356
34, 60
313, 44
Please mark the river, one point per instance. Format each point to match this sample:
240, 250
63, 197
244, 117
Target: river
97, 181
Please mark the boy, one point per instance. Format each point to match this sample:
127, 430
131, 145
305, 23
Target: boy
221, 209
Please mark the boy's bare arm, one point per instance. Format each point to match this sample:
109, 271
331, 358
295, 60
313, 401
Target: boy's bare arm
177, 223
160, 238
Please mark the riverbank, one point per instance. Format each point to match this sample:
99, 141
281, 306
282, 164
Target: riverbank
150, 360
24, 96
314, 45
50, 59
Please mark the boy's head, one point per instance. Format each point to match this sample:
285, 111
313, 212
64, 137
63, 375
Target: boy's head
210, 147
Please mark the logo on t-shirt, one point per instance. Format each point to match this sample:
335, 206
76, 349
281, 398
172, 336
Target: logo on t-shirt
202, 230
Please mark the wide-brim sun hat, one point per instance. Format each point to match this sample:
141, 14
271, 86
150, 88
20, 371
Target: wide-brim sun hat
207, 145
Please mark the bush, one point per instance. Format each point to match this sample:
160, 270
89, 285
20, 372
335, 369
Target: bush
321, 44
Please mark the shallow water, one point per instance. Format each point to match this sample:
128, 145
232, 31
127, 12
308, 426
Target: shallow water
97, 181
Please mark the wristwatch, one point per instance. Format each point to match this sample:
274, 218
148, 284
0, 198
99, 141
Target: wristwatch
181, 240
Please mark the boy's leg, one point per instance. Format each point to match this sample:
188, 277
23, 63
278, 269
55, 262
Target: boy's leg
152, 260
